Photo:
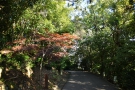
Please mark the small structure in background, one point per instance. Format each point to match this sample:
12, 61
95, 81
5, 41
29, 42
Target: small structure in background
115, 79
133, 39
79, 61
103, 74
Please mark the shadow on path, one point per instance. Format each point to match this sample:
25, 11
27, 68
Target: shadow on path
81, 80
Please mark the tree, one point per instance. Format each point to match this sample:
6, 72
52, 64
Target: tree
107, 24
32, 15
7, 17
32, 32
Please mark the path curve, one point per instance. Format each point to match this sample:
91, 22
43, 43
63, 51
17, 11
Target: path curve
81, 80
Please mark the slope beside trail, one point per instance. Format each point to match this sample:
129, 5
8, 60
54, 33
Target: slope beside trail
81, 80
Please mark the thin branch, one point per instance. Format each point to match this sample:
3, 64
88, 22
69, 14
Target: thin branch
12, 78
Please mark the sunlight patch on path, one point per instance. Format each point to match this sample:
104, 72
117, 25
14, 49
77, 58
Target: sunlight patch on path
80, 80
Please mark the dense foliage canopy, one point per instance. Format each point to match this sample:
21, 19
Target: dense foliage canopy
39, 33
108, 47
34, 33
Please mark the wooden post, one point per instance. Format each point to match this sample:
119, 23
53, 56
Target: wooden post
46, 81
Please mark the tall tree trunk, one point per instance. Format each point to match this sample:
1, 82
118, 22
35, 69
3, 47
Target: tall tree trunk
102, 66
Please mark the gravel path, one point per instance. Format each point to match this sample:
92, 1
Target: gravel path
80, 80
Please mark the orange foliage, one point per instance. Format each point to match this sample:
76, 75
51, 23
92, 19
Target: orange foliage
25, 47
55, 40
63, 40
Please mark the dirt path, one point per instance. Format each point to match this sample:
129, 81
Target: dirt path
80, 80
